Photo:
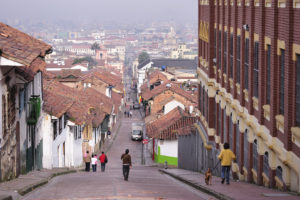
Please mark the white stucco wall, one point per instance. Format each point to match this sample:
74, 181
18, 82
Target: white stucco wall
47, 131
171, 105
169, 148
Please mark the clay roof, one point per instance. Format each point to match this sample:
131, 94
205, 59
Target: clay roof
148, 94
116, 97
157, 76
168, 126
56, 104
20, 47
106, 77
88, 106
156, 127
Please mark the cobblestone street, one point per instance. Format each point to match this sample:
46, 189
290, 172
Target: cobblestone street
145, 182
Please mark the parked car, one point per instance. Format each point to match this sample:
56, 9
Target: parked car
136, 106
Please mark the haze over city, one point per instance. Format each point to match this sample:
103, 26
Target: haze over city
126, 11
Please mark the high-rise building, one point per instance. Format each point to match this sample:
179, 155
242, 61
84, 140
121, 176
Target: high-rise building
249, 86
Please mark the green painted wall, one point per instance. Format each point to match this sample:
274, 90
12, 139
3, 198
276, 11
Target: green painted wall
162, 159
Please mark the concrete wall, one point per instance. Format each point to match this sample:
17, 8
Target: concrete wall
166, 151
171, 105
192, 154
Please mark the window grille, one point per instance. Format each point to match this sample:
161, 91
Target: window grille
238, 56
268, 74
225, 127
279, 172
220, 49
245, 149
298, 91
281, 90
255, 155
266, 163
246, 63
237, 142
256, 68
231, 56
225, 52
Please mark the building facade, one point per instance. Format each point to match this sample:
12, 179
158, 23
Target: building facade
249, 86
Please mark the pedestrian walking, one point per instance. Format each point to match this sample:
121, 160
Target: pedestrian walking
125, 113
87, 160
94, 162
103, 160
226, 156
126, 158
130, 114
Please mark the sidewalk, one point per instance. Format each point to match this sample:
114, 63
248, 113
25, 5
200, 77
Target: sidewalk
236, 190
20, 186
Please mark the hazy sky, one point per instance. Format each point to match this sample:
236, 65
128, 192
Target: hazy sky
102, 10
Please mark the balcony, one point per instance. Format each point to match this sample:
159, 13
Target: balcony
34, 110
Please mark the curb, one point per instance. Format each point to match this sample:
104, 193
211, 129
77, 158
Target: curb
198, 187
42, 182
114, 138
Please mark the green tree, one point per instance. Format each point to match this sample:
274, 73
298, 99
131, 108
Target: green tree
88, 59
95, 46
143, 57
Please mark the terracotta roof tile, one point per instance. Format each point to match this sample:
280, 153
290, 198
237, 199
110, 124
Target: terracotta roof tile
148, 94
20, 47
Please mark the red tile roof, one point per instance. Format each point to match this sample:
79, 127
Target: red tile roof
20, 47
155, 128
170, 125
148, 94
88, 106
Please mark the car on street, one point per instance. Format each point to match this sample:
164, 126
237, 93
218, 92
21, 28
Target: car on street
136, 106
136, 131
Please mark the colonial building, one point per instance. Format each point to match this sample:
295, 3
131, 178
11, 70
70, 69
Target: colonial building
21, 66
249, 86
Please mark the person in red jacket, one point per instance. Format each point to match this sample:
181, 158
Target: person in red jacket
103, 161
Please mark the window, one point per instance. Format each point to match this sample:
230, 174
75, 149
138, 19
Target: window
219, 120
21, 100
281, 86
225, 52
60, 124
231, 56
200, 95
80, 131
245, 149
230, 132
246, 63
268, 85
65, 120
237, 142
256, 69
206, 106
238, 59
255, 155
203, 99
215, 43
266, 163
75, 132
54, 129
225, 127
220, 48
298, 91
279, 172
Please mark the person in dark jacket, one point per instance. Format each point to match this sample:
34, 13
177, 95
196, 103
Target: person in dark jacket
87, 160
126, 158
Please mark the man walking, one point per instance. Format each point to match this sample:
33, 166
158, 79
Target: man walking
103, 161
226, 156
87, 160
126, 158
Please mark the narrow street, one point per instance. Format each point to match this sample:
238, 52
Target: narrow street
144, 182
